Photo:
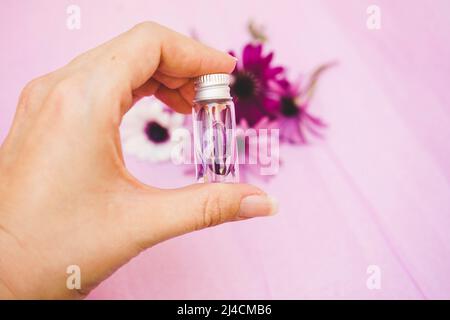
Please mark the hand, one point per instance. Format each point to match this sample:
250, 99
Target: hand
66, 197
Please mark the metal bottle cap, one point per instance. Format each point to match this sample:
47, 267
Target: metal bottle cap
212, 86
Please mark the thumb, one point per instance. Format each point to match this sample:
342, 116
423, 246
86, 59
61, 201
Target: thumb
168, 213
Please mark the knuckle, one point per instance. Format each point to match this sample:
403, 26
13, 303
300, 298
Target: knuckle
62, 90
213, 209
33, 87
47, 93
31, 95
146, 26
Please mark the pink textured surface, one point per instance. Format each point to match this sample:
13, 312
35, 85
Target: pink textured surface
376, 191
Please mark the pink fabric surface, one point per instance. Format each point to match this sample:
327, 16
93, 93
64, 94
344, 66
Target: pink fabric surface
374, 192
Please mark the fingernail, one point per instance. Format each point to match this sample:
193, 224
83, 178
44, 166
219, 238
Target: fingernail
258, 206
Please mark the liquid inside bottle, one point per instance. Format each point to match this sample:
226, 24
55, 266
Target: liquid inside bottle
214, 133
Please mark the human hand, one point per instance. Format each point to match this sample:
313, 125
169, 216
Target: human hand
66, 197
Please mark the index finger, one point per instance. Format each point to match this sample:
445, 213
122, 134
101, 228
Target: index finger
129, 60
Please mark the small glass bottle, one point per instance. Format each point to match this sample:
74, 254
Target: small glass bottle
214, 122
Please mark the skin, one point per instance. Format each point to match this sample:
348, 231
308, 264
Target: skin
65, 195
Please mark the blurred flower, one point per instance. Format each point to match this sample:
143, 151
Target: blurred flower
147, 128
252, 79
257, 32
294, 118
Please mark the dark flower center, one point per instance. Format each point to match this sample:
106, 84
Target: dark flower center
156, 133
288, 107
244, 86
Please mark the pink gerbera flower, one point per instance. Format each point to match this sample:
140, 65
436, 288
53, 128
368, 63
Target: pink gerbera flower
294, 118
252, 80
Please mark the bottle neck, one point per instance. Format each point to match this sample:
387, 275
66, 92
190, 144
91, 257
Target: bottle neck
207, 101
215, 92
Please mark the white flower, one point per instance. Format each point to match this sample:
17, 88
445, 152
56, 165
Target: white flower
147, 128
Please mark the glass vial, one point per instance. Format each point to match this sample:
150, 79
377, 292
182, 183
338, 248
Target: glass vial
214, 122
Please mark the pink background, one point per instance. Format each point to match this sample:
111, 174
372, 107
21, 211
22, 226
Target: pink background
374, 192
